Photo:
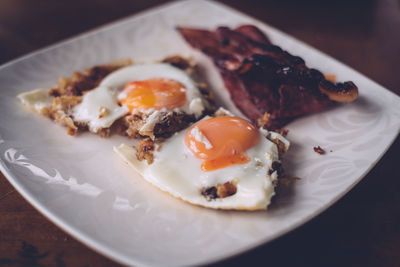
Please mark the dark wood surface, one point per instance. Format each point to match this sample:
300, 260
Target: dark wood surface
361, 229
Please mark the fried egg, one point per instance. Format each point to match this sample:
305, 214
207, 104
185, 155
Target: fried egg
220, 162
151, 89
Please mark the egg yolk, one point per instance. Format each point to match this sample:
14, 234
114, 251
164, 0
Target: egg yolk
154, 93
226, 140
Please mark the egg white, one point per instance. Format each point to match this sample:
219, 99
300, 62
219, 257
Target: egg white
99, 109
177, 171
36, 99
195, 103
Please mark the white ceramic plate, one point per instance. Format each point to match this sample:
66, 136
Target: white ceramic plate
82, 186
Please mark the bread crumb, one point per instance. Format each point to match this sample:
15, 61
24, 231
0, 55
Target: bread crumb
103, 111
319, 150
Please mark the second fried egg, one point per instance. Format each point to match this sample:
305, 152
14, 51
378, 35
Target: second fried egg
221, 162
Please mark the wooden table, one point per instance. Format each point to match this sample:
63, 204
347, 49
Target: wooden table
362, 229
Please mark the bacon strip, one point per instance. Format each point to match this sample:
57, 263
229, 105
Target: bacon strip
269, 85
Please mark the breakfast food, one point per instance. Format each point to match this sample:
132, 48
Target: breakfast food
233, 164
269, 85
137, 100
221, 162
185, 148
